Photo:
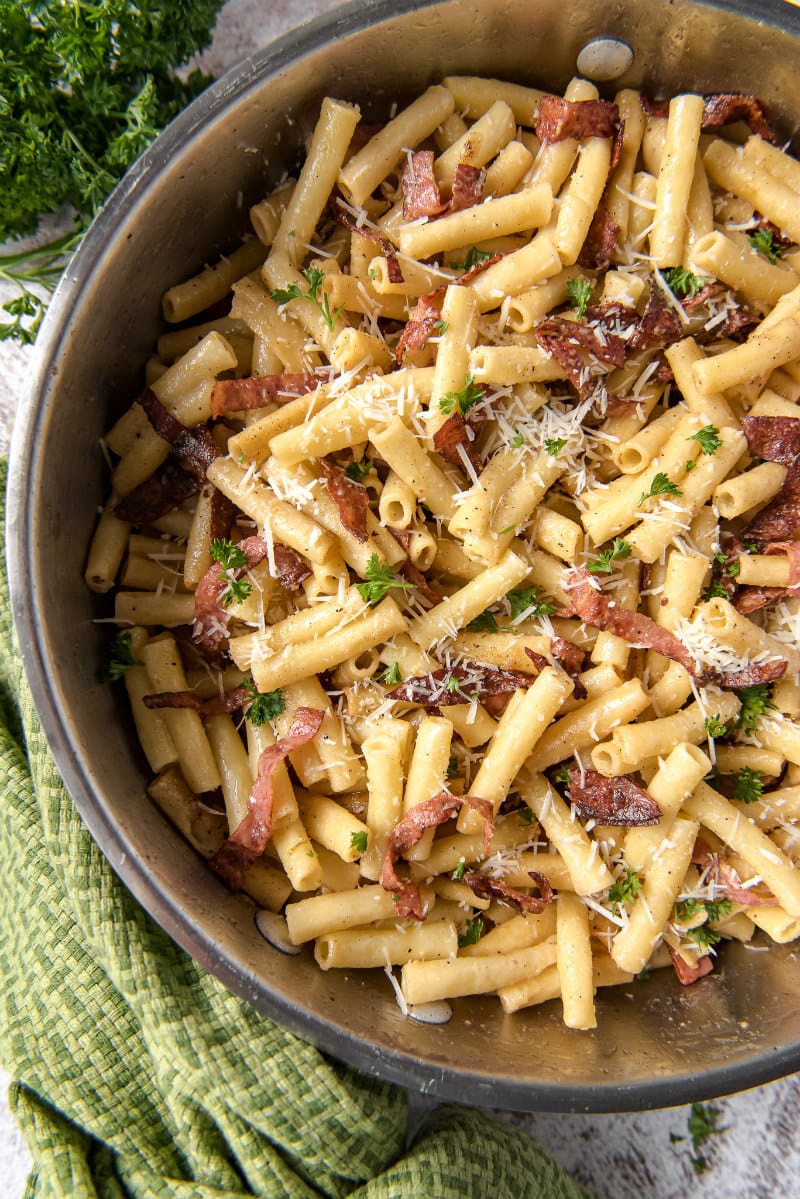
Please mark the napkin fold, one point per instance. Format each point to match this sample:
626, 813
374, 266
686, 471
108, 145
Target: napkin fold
137, 1074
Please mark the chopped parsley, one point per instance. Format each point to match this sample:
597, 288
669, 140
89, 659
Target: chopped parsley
461, 401
601, 565
554, 445
704, 936
358, 841
527, 815
689, 465
624, 889
485, 623
264, 706
472, 933
452, 766
121, 657
708, 439
683, 282
229, 556
517, 441
458, 873
562, 774
358, 470
748, 786
391, 675
756, 701
441, 327
763, 242
236, 591
661, 485
380, 579
315, 278
579, 292
525, 600
715, 727
475, 257
453, 684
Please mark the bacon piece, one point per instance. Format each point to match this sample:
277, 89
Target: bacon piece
291, 567
751, 599
414, 575
659, 326
371, 234
249, 839
606, 347
690, 974
195, 449
594, 607
409, 831
710, 291
468, 184
619, 801
558, 119
217, 705
729, 881
474, 682
222, 513
486, 887
420, 190
778, 521
479, 268
571, 657
723, 108
601, 240
242, 395
210, 618
421, 323
161, 493
461, 431
350, 498
773, 438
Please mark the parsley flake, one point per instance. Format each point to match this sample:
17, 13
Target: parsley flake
715, 727
315, 278
358, 841
472, 933
554, 445
624, 890
708, 439
229, 556
763, 242
452, 766
475, 257
358, 470
579, 292
264, 706
458, 873
661, 485
441, 327
756, 701
380, 579
485, 623
121, 657
391, 675
683, 282
525, 601
517, 441
748, 786
601, 565
461, 401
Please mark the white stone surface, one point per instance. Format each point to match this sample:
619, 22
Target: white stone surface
622, 1156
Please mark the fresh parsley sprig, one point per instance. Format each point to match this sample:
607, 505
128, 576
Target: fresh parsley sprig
602, 564
624, 890
554, 445
526, 600
264, 706
708, 439
379, 580
121, 658
391, 676
472, 933
683, 282
475, 257
763, 242
702, 1124
579, 292
315, 278
357, 470
231, 558
756, 701
661, 485
715, 727
358, 841
748, 785
461, 401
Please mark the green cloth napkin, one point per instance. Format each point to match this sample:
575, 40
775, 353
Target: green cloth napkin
135, 1073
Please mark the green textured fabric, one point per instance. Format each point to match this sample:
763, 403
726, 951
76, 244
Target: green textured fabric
135, 1073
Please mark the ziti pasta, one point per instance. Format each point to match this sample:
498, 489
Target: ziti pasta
457, 564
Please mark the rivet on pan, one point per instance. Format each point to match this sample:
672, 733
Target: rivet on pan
604, 58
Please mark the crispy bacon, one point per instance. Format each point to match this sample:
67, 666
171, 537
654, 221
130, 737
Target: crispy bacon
217, 705
601, 240
619, 801
751, 599
773, 438
594, 607
249, 840
242, 395
659, 326
291, 567
606, 347
161, 493
371, 234
420, 190
778, 521
690, 974
222, 513
654, 108
414, 575
724, 108
195, 449
350, 498
486, 887
558, 119
421, 324
571, 657
468, 184
210, 618
474, 682
409, 831
461, 431
730, 882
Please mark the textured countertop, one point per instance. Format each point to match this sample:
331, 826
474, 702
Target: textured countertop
620, 1156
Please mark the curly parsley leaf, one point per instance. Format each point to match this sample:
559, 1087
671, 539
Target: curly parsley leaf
763, 242
661, 485
715, 727
525, 602
452, 766
748, 787
391, 675
683, 282
315, 278
380, 579
708, 439
554, 445
472, 933
756, 701
602, 563
358, 470
121, 658
264, 706
485, 623
475, 257
579, 292
461, 401
229, 556
624, 890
